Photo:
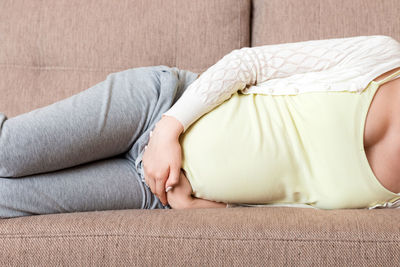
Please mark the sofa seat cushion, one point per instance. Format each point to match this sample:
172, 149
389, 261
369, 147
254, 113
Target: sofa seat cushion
232, 236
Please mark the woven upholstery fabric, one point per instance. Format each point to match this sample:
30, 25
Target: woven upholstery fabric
276, 236
50, 50
281, 21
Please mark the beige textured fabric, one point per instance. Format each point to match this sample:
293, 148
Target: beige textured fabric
204, 237
52, 49
281, 21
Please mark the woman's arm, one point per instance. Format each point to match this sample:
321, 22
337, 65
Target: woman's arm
235, 71
252, 65
180, 197
199, 203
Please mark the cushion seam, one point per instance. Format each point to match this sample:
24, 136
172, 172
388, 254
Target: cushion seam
58, 68
200, 238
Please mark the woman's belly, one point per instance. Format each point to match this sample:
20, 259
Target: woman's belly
259, 149
230, 159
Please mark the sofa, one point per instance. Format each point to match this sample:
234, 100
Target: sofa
50, 50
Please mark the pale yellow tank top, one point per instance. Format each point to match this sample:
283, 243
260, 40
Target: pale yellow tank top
301, 149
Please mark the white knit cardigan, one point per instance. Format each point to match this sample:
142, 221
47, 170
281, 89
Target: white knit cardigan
342, 64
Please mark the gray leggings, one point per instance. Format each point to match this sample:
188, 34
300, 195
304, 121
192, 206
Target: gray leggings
83, 153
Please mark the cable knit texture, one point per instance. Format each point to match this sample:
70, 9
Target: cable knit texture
341, 64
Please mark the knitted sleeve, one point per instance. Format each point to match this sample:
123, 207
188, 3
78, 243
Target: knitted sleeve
251, 65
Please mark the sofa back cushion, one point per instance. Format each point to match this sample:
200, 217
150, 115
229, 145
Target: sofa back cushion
50, 49
281, 21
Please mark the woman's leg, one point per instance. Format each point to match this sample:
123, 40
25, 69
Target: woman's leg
102, 185
100, 122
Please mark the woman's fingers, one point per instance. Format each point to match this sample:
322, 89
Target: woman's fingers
151, 183
157, 185
173, 178
162, 157
160, 190
168, 189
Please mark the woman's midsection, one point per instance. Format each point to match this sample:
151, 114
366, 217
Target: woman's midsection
236, 152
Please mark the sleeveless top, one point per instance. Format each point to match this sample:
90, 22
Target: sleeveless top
300, 149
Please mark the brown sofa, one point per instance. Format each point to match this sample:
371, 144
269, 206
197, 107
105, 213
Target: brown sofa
50, 50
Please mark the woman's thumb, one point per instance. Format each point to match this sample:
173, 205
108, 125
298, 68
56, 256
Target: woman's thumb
173, 178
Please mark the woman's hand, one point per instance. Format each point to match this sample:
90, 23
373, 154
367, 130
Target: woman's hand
162, 158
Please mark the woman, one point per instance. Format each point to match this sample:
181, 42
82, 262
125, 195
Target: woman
271, 144
87, 152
